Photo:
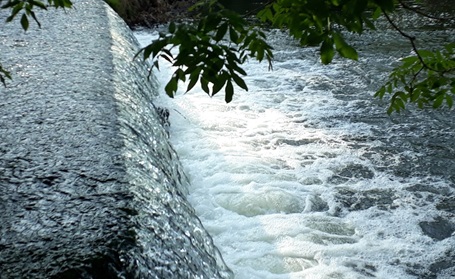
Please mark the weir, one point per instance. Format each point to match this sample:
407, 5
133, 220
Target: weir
89, 185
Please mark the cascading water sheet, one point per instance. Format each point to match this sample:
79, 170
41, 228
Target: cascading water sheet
89, 184
305, 176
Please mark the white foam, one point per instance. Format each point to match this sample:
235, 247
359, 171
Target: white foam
260, 170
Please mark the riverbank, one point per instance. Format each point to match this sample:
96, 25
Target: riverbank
149, 13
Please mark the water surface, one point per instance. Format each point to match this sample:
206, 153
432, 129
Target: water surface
305, 176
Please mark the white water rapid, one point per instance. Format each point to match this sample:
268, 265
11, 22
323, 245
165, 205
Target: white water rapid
300, 177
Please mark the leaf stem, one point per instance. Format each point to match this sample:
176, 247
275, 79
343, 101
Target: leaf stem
417, 11
410, 38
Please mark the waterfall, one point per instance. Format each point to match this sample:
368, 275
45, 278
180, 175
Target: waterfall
89, 185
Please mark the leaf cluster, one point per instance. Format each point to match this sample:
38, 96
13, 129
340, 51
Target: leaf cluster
321, 22
4, 74
426, 78
209, 51
26, 6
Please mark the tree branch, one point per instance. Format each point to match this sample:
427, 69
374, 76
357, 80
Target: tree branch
410, 38
417, 11
255, 11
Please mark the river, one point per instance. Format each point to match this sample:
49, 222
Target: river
306, 176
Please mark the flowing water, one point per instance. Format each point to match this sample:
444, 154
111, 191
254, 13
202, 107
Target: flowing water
305, 175
89, 185
171, 242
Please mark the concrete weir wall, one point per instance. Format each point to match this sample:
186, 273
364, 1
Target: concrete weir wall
89, 185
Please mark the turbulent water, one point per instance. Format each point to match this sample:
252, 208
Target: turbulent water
305, 175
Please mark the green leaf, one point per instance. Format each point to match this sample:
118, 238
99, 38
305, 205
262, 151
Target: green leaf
239, 81
218, 85
380, 93
408, 61
39, 4
16, 9
211, 22
343, 48
260, 54
61, 3
153, 49
222, 30
233, 35
377, 13
438, 101
415, 95
171, 87
389, 88
229, 92
180, 74
369, 23
24, 22
197, 5
265, 14
327, 52
236, 68
4, 74
390, 110
348, 52
11, 4
399, 104
205, 85
36, 19
449, 100
387, 5
156, 65
172, 27
194, 76
425, 53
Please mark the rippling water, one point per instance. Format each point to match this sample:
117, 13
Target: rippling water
305, 176
90, 186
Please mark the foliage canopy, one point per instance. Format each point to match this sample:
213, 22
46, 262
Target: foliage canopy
212, 48
210, 51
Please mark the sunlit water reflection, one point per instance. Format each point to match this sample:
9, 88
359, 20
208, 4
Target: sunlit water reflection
305, 176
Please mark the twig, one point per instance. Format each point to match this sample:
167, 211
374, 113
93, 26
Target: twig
250, 13
411, 39
417, 11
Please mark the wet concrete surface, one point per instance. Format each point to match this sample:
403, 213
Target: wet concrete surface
69, 202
